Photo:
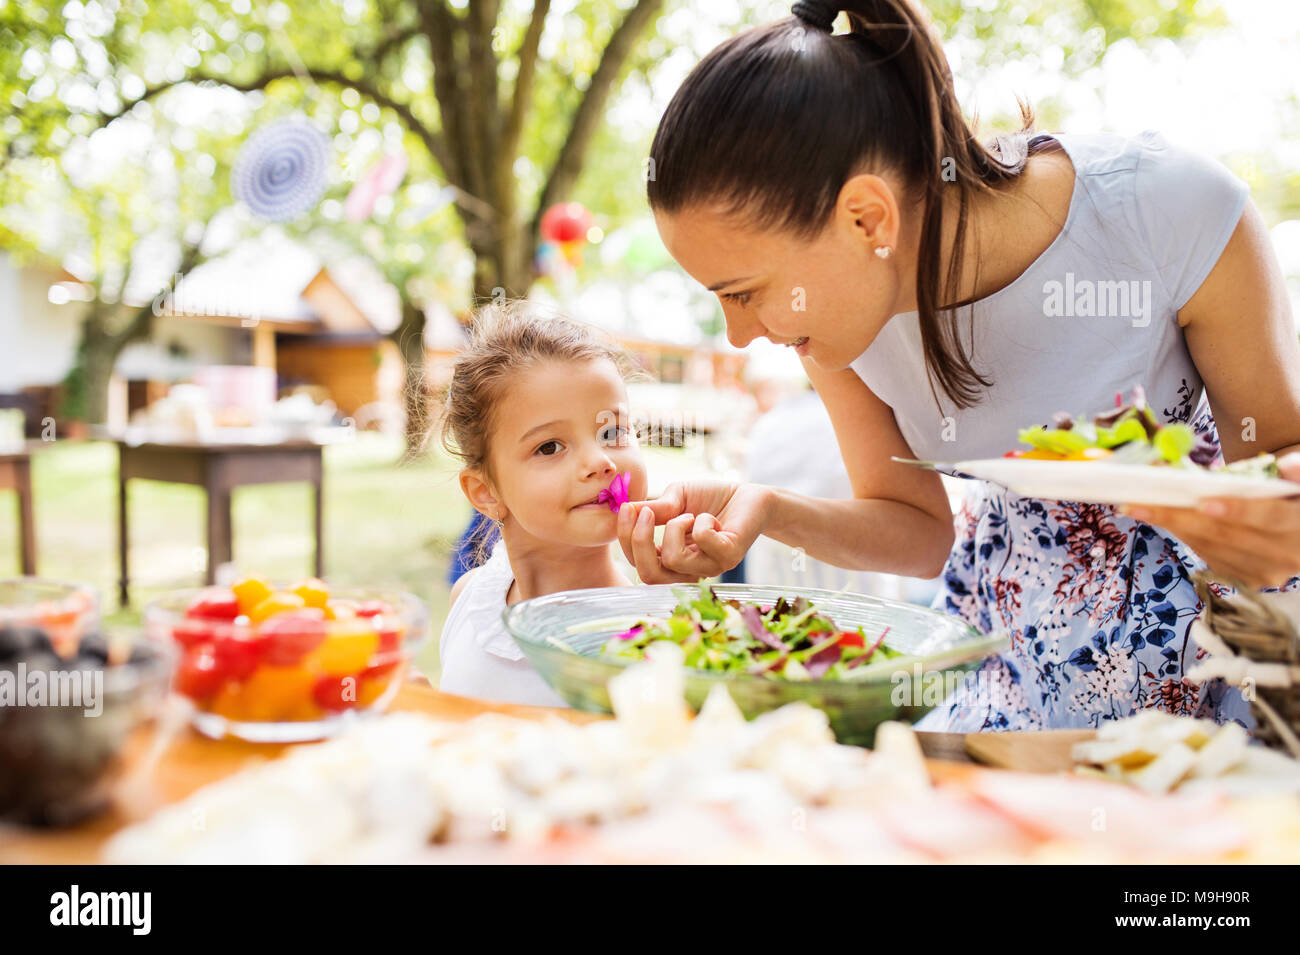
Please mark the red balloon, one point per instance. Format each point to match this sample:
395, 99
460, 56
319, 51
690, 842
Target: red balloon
566, 222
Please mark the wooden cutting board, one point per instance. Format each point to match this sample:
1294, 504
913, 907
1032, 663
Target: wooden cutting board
1040, 751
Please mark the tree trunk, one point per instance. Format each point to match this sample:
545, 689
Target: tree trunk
518, 271
409, 338
97, 354
105, 332
505, 275
97, 371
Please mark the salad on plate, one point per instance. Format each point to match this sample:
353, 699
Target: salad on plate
1130, 434
1122, 456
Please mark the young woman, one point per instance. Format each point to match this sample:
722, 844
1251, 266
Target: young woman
828, 188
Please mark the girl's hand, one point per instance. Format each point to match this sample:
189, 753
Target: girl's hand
696, 544
1257, 541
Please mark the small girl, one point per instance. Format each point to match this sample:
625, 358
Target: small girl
537, 413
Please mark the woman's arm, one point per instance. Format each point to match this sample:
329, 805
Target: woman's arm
1243, 339
898, 520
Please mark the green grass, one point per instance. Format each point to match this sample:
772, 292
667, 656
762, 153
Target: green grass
385, 523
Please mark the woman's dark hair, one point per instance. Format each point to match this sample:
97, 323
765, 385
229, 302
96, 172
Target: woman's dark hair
773, 121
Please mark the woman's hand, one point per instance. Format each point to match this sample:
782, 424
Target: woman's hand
1257, 541
696, 544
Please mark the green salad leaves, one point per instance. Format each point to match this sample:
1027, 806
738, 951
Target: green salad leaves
790, 640
1131, 434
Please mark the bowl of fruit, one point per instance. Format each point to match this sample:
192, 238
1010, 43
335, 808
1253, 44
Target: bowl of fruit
282, 664
70, 696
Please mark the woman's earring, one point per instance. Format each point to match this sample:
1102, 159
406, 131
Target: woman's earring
884, 251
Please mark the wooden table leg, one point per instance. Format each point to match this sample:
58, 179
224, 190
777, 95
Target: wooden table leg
320, 525
123, 542
219, 529
26, 520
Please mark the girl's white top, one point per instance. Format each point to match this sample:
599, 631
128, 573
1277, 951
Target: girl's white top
479, 658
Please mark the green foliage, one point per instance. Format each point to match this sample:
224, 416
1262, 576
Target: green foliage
1081, 30
66, 66
416, 243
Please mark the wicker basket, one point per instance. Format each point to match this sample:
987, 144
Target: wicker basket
1259, 632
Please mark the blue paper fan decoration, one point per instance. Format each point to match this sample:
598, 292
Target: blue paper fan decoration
280, 171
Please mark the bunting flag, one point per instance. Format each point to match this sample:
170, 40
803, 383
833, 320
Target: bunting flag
381, 179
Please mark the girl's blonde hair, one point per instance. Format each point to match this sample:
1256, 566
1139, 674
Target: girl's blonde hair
506, 339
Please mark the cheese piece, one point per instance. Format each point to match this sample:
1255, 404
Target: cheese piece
1226, 750
1166, 770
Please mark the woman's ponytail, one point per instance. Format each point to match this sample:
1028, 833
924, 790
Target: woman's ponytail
907, 42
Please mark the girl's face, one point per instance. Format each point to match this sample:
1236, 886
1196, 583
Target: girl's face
560, 436
834, 290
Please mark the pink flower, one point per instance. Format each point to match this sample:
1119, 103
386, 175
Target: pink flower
616, 494
631, 634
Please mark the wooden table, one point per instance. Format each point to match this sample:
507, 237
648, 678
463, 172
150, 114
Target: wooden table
16, 475
218, 469
193, 761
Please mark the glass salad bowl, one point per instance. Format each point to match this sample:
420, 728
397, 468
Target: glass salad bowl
562, 634
64, 611
284, 664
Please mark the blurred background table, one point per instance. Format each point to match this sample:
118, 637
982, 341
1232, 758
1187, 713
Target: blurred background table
218, 469
16, 475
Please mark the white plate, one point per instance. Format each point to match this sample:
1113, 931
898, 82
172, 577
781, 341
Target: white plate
1099, 482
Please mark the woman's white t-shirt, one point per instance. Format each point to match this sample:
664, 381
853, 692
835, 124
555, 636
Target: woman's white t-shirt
479, 658
1097, 605
1094, 314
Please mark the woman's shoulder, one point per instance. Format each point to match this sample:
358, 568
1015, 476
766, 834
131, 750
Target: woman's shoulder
1148, 167
1147, 198
1187, 204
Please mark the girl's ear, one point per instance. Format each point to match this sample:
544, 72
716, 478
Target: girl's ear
480, 494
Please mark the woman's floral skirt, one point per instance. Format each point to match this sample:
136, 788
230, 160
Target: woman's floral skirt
1098, 608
